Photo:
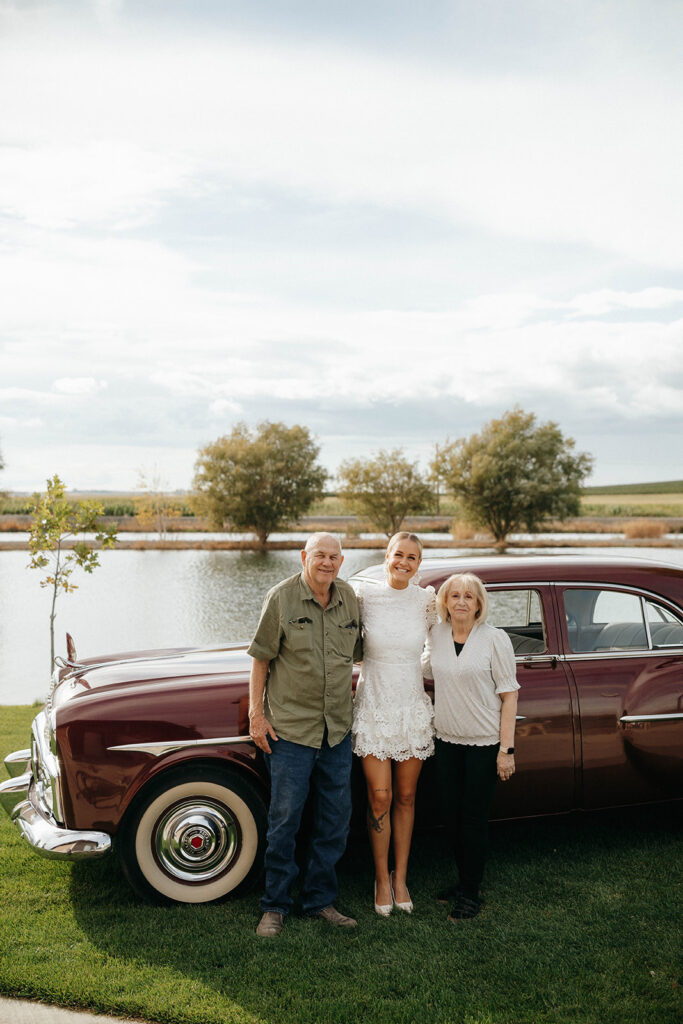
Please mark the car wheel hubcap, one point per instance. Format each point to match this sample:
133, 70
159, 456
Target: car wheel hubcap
196, 840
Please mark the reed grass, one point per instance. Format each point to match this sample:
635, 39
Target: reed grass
645, 528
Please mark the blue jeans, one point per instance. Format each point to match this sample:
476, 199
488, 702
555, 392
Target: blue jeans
294, 770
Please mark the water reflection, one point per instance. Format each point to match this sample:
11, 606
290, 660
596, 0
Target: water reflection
148, 599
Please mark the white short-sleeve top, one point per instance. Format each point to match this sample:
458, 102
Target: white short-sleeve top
467, 686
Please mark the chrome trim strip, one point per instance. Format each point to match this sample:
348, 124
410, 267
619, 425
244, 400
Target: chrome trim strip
521, 718
159, 748
53, 842
618, 652
649, 718
14, 791
18, 762
643, 613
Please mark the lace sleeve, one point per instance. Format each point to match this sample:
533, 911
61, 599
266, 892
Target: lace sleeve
426, 659
430, 607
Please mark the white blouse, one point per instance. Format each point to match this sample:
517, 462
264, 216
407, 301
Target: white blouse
467, 686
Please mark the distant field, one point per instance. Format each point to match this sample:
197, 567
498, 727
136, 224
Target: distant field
634, 504
668, 487
635, 498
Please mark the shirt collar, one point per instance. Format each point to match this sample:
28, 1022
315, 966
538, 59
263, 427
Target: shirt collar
308, 595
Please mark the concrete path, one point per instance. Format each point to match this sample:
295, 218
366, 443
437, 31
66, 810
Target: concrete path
22, 1011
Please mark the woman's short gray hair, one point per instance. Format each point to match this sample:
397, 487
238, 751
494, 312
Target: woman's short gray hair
470, 582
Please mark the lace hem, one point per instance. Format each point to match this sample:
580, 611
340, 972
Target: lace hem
384, 751
399, 734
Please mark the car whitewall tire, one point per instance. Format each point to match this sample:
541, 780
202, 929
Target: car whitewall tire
194, 836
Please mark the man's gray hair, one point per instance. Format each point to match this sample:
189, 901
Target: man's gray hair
316, 537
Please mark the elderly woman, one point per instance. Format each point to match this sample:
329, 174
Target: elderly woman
475, 705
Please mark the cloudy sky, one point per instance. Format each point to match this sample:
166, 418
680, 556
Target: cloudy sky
387, 220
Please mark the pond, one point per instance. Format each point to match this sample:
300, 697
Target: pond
148, 599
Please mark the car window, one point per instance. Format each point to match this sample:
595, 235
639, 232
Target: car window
666, 630
520, 614
604, 620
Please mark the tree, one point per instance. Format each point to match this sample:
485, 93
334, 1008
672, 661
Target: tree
516, 473
56, 520
258, 481
384, 488
154, 509
436, 474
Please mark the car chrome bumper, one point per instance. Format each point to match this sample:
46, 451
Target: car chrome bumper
17, 798
14, 791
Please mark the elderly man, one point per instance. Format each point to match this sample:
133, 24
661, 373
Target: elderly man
300, 716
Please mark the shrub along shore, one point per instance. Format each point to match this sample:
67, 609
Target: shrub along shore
635, 532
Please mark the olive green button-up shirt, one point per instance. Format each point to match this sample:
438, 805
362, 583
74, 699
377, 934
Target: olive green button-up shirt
311, 651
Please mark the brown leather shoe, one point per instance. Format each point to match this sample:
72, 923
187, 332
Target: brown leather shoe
334, 917
270, 924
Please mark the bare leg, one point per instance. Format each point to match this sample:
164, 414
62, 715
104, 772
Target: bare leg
406, 774
378, 779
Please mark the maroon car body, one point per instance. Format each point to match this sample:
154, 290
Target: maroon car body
150, 751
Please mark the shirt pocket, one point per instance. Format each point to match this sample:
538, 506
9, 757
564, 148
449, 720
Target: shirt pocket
299, 634
346, 635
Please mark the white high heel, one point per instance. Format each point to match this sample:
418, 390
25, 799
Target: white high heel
407, 906
383, 909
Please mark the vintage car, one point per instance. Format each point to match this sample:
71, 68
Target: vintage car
149, 751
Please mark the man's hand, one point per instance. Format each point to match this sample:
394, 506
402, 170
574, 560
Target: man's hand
260, 730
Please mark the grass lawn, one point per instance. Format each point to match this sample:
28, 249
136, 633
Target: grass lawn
580, 925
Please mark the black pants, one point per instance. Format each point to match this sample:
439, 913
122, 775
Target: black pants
467, 780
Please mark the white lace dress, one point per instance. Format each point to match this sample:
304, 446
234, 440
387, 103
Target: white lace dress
392, 714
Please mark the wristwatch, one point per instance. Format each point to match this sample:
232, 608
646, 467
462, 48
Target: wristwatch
507, 750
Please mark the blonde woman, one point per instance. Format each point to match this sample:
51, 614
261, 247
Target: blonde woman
392, 717
475, 707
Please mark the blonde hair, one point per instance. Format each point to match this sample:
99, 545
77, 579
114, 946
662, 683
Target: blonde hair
404, 535
470, 582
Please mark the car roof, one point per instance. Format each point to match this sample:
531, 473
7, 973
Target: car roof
630, 571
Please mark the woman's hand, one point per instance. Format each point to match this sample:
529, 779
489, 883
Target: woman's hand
505, 765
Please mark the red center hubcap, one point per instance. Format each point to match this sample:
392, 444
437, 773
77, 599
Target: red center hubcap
196, 842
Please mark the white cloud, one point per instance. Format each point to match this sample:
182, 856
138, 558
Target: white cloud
79, 385
607, 300
220, 407
194, 227
108, 182
496, 153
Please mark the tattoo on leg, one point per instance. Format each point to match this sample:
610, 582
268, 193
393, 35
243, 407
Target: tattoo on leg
376, 824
